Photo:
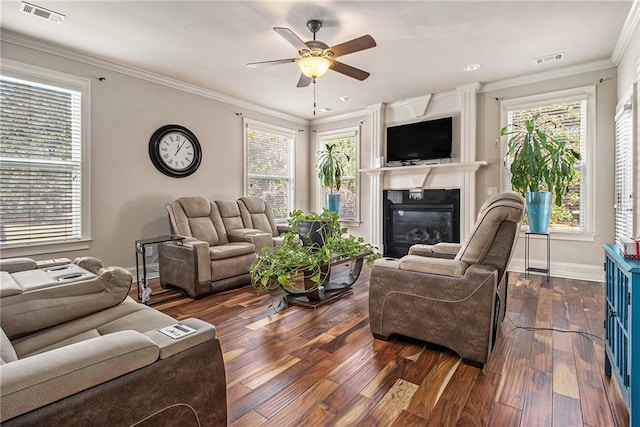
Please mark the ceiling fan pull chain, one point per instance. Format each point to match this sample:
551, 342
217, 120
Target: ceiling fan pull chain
314, 96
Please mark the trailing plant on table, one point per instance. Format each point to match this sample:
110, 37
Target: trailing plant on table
281, 267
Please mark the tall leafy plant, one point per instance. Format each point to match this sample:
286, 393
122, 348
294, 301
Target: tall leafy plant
539, 161
330, 167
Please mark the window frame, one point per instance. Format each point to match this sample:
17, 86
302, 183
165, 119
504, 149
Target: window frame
288, 133
43, 76
587, 174
323, 136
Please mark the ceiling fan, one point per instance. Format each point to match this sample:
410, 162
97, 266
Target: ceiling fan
316, 57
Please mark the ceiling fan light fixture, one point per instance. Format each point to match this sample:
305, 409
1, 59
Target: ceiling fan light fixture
314, 67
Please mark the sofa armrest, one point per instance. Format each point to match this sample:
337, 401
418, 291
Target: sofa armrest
44, 378
186, 265
420, 264
283, 228
12, 265
439, 250
52, 304
168, 346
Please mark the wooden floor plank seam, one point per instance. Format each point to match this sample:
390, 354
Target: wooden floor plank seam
323, 367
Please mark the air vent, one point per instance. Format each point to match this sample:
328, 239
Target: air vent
549, 58
41, 12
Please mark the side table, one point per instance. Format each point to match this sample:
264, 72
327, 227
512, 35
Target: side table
145, 295
527, 253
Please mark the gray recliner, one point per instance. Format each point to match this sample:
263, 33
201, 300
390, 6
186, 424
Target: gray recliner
257, 214
453, 302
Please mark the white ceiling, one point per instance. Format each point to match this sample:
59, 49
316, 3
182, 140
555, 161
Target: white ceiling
422, 45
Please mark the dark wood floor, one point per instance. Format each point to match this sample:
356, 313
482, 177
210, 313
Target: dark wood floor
322, 367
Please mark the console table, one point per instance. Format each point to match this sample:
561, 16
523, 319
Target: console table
327, 290
622, 314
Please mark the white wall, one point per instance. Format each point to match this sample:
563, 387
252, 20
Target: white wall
127, 193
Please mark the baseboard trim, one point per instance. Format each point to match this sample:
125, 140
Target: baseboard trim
593, 273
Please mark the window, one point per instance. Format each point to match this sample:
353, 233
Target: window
269, 171
347, 141
573, 113
624, 171
43, 196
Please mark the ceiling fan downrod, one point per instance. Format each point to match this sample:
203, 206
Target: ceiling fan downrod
314, 26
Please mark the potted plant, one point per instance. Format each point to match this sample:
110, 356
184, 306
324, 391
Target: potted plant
282, 267
330, 169
542, 167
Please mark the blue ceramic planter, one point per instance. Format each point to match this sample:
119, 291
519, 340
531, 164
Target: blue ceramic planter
333, 202
539, 211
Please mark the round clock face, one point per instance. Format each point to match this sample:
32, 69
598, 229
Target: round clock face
175, 151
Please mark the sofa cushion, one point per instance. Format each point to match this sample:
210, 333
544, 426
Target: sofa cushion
203, 229
231, 250
7, 353
128, 315
8, 286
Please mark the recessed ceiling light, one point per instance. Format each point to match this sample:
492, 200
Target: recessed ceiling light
345, 98
471, 67
325, 109
41, 12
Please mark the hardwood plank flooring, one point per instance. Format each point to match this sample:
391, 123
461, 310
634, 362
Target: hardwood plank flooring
323, 368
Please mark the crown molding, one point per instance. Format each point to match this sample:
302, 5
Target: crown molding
358, 114
630, 24
37, 44
602, 64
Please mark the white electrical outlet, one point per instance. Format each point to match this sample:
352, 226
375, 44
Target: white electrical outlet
148, 251
491, 191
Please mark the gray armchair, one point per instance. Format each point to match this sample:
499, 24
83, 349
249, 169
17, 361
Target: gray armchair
456, 303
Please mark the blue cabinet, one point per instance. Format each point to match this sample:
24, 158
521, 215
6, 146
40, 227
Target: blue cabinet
622, 350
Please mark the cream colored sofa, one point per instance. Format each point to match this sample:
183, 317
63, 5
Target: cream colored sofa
75, 350
218, 248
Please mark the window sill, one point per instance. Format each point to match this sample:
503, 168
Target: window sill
43, 248
350, 223
575, 236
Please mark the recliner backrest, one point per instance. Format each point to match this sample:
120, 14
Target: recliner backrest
230, 214
199, 218
494, 235
257, 214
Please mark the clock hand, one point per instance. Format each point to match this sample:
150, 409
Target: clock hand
180, 147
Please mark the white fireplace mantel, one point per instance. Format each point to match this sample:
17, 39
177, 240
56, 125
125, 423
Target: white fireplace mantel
443, 175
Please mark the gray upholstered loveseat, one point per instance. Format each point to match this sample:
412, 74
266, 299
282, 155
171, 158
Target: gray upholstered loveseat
75, 350
222, 239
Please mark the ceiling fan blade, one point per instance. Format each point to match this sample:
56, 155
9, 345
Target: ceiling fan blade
304, 81
274, 62
348, 70
291, 37
355, 45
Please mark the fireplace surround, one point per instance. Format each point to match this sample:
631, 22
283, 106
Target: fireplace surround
419, 216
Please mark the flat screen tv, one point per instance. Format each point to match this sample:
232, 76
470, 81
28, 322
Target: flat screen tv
414, 142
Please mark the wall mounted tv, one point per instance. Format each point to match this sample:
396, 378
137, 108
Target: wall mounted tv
415, 142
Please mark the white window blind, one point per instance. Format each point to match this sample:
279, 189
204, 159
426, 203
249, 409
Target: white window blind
40, 163
624, 173
346, 141
269, 166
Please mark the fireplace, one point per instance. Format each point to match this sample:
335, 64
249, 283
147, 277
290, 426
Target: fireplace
419, 216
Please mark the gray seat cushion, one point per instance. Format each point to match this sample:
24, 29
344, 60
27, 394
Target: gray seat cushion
231, 250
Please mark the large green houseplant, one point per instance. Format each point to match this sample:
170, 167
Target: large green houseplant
282, 267
542, 167
330, 168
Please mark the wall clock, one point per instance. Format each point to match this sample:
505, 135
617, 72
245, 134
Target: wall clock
175, 151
